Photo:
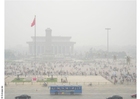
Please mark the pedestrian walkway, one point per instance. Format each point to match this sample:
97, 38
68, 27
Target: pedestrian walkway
71, 80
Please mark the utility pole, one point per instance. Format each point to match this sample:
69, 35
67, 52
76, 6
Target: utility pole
107, 41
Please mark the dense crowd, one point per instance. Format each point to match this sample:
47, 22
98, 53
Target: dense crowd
115, 71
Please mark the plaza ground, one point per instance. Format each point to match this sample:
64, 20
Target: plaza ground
100, 90
71, 80
92, 92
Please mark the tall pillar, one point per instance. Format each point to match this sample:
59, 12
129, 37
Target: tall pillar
48, 47
33, 49
63, 50
38, 47
68, 50
43, 48
30, 49
37, 50
55, 50
71, 49
59, 49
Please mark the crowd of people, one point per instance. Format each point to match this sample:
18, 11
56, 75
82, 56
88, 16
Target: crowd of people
117, 71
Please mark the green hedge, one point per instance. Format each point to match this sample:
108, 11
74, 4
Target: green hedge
48, 80
20, 80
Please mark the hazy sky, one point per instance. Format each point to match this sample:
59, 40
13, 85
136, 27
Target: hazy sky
85, 21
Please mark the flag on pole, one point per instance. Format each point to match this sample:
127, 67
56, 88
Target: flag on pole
33, 23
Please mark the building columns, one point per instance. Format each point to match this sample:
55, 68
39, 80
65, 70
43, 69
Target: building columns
71, 49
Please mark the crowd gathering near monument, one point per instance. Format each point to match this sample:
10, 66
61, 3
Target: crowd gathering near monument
117, 72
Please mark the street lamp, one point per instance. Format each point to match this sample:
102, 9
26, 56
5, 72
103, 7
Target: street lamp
107, 41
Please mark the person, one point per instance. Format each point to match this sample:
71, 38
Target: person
66, 79
5, 84
44, 84
90, 84
61, 80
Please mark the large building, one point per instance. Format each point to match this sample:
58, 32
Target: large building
57, 45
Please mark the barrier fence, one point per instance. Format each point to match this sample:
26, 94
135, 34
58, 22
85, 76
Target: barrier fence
58, 83
68, 83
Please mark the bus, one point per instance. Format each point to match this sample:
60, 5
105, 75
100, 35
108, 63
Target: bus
65, 90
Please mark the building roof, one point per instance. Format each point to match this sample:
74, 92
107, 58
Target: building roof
53, 37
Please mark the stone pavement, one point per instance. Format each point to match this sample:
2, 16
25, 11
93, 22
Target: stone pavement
70, 80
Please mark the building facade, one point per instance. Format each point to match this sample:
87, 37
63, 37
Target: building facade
49, 44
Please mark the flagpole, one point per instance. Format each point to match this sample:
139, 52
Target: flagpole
35, 41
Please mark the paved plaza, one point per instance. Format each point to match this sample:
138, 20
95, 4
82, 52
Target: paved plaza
113, 78
117, 72
100, 90
70, 79
92, 92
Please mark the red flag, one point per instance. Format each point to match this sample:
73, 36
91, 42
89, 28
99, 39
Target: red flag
33, 23
34, 79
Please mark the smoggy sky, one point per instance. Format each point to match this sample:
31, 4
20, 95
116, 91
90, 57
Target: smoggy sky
85, 21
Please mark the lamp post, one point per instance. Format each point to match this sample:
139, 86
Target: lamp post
107, 41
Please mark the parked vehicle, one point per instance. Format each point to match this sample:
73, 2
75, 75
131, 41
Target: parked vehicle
115, 97
45, 84
23, 97
134, 96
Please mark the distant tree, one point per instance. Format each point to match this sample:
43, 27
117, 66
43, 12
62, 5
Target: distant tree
98, 55
18, 77
114, 57
9, 54
86, 55
89, 54
105, 55
51, 76
128, 59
